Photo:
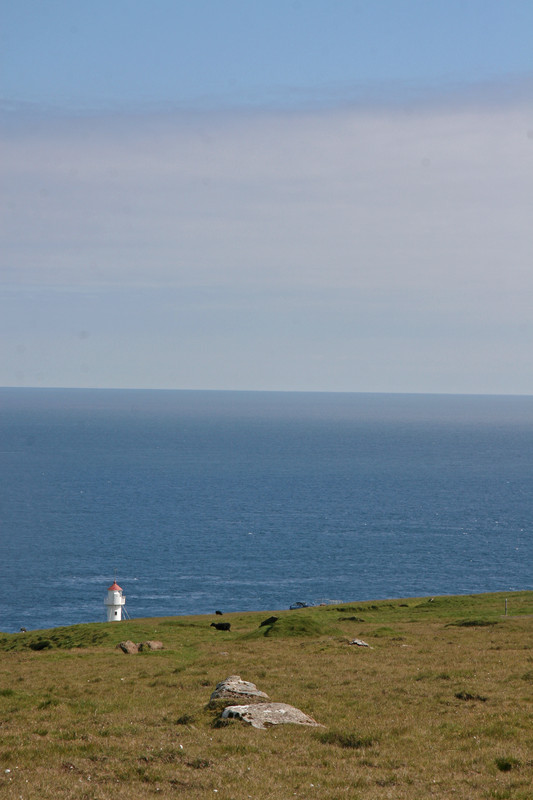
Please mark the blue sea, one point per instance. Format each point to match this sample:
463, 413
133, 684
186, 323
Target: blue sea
199, 501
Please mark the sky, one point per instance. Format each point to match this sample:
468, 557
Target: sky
293, 196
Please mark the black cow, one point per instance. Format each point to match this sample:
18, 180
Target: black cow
221, 626
269, 621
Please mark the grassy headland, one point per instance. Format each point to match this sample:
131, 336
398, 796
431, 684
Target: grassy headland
439, 706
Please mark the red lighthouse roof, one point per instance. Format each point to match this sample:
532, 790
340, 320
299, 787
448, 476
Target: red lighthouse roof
115, 587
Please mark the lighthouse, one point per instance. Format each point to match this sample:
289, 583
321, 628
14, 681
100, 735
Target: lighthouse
114, 603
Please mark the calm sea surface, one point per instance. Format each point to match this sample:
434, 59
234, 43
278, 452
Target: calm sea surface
239, 501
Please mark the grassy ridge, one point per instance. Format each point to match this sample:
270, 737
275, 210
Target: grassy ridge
439, 707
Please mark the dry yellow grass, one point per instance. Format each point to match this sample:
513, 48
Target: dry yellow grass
440, 707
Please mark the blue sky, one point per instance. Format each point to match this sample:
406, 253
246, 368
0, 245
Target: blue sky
329, 196
213, 53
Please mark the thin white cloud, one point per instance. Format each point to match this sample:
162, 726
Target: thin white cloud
408, 225
346, 198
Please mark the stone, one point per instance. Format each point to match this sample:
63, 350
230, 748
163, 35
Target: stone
128, 647
235, 687
263, 715
151, 644
359, 643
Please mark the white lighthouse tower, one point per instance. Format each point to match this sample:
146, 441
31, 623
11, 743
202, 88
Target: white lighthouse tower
114, 603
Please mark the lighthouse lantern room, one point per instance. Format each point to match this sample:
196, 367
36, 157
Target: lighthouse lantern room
114, 603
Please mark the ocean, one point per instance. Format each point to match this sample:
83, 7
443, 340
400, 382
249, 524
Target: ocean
202, 500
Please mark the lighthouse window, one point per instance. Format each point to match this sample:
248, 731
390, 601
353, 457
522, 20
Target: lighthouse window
116, 612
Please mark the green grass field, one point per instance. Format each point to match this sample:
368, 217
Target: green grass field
440, 705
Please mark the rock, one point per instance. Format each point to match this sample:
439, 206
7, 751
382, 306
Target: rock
151, 645
263, 715
136, 647
234, 687
128, 647
269, 621
360, 643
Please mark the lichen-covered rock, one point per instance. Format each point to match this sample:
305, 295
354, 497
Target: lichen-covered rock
128, 647
235, 687
151, 644
263, 715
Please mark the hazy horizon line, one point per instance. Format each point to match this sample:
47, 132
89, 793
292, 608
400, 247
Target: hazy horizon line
261, 391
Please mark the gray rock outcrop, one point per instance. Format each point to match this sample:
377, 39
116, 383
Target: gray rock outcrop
234, 688
151, 644
128, 647
137, 647
263, 715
